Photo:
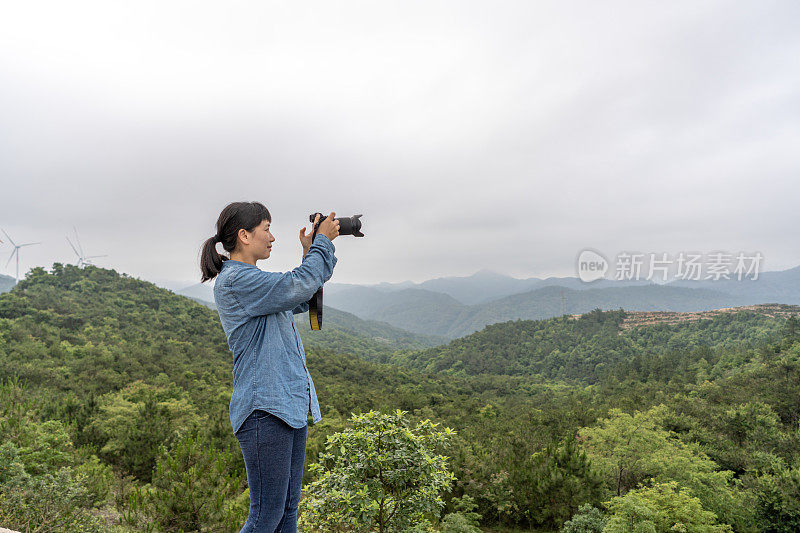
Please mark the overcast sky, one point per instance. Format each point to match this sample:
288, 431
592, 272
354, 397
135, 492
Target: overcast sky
471, 135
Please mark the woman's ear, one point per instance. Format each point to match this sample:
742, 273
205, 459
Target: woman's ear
243, 236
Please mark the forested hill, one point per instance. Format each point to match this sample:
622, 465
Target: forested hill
99, 371
114, 417
132, 309
588, 347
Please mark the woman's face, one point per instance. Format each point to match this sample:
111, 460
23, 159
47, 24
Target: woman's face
263, 239
260, 241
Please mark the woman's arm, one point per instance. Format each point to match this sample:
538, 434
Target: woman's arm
264, 293
302, 308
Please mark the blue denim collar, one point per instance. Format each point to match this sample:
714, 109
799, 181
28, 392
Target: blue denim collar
234, 262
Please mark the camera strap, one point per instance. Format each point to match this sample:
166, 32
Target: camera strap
315, 303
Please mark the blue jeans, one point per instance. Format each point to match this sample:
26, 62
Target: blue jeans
274, 453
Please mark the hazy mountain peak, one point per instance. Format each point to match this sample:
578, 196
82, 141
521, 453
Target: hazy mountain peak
485, 273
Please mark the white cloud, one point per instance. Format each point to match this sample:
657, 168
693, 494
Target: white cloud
470, 134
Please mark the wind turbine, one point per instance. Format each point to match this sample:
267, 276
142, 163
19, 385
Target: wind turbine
16, 252
82, 259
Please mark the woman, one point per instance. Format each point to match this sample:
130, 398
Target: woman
272, 389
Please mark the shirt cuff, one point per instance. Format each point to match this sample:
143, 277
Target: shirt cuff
324, 241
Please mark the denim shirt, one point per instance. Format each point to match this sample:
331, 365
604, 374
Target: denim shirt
256, 309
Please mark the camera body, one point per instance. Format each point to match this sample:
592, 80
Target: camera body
347, 225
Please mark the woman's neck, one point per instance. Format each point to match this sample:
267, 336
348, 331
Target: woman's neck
243, 258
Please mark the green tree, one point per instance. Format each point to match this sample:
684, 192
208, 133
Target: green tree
560, 479
380, 474
588, 519
791, 329
662, 508
464, 519
195, 488
132, 423
630, 449
43, 487
779, 501
48, 502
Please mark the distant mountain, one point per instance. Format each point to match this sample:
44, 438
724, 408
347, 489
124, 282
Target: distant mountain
210, 305
417, 310
547, 302
578, 285
332, 288
200, 292
455, 306
777, 286
368, 339
484, 286
432, 313
6, 283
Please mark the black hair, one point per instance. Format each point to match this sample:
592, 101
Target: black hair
235, 216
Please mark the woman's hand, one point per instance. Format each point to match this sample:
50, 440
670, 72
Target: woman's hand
306, 240
328, 227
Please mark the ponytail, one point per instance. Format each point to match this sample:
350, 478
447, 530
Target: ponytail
235, 216
210, 260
